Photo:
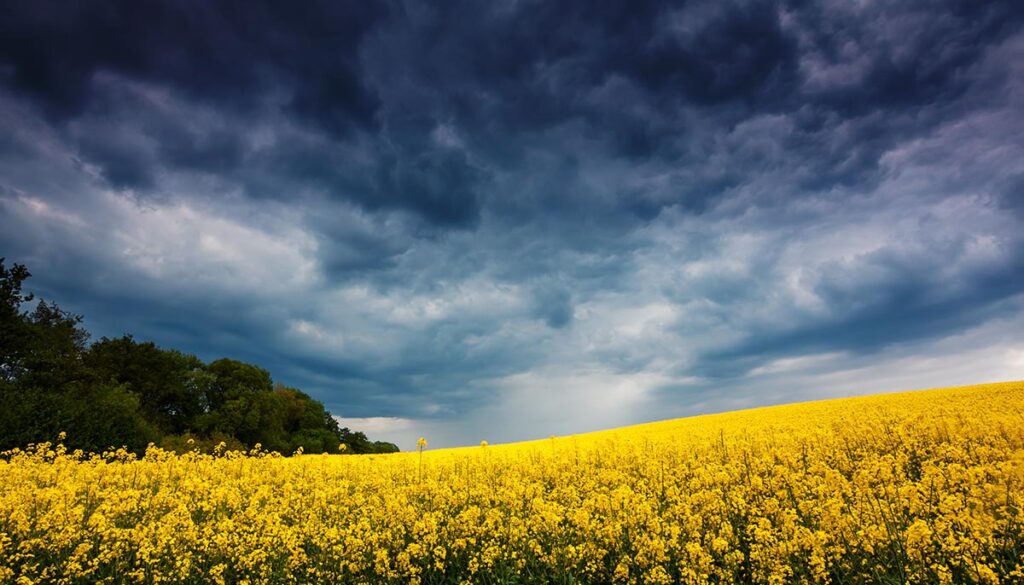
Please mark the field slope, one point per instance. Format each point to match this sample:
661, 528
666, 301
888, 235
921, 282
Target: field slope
920, 487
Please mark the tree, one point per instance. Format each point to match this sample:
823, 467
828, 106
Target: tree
240, 402
165, 381
38, 348
232, 379
46, 388
121, 392
14, 329
307, 423
358, 443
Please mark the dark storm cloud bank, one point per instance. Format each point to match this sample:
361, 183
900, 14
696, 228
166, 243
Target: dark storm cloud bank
227, 53
570, 163
650, 82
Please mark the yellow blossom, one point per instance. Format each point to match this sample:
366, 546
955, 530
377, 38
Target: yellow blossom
921, 487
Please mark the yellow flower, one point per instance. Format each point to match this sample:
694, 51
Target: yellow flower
788, 494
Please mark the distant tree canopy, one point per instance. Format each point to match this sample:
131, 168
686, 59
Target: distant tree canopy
123, 392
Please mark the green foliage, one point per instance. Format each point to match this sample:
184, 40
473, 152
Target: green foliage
103, 415
15, 330
165, 381
121, 392
201, 443
46, 386
358, 443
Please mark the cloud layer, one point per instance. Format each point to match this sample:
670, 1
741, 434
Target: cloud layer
507, 220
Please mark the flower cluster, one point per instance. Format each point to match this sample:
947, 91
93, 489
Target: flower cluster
921, 487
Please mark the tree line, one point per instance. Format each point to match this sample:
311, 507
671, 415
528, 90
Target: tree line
123, 392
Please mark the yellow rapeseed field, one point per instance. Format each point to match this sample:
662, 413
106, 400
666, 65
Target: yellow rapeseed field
920, 487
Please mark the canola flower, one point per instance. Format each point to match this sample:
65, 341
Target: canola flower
922, 487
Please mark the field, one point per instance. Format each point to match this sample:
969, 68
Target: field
919, 487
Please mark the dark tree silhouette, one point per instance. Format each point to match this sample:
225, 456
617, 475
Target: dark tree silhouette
122, 392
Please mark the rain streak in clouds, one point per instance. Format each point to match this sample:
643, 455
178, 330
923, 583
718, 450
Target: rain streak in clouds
507, 220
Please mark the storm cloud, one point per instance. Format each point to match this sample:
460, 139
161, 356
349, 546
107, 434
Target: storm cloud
507, 220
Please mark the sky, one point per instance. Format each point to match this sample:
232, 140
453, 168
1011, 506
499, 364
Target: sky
507, 220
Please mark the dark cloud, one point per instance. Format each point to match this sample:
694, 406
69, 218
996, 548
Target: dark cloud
651, 82
711, 54
553, 304
903, 56
225, 53
1012, 197
413, 210
885, 298
439, 184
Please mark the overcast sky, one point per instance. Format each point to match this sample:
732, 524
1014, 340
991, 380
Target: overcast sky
506, 220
